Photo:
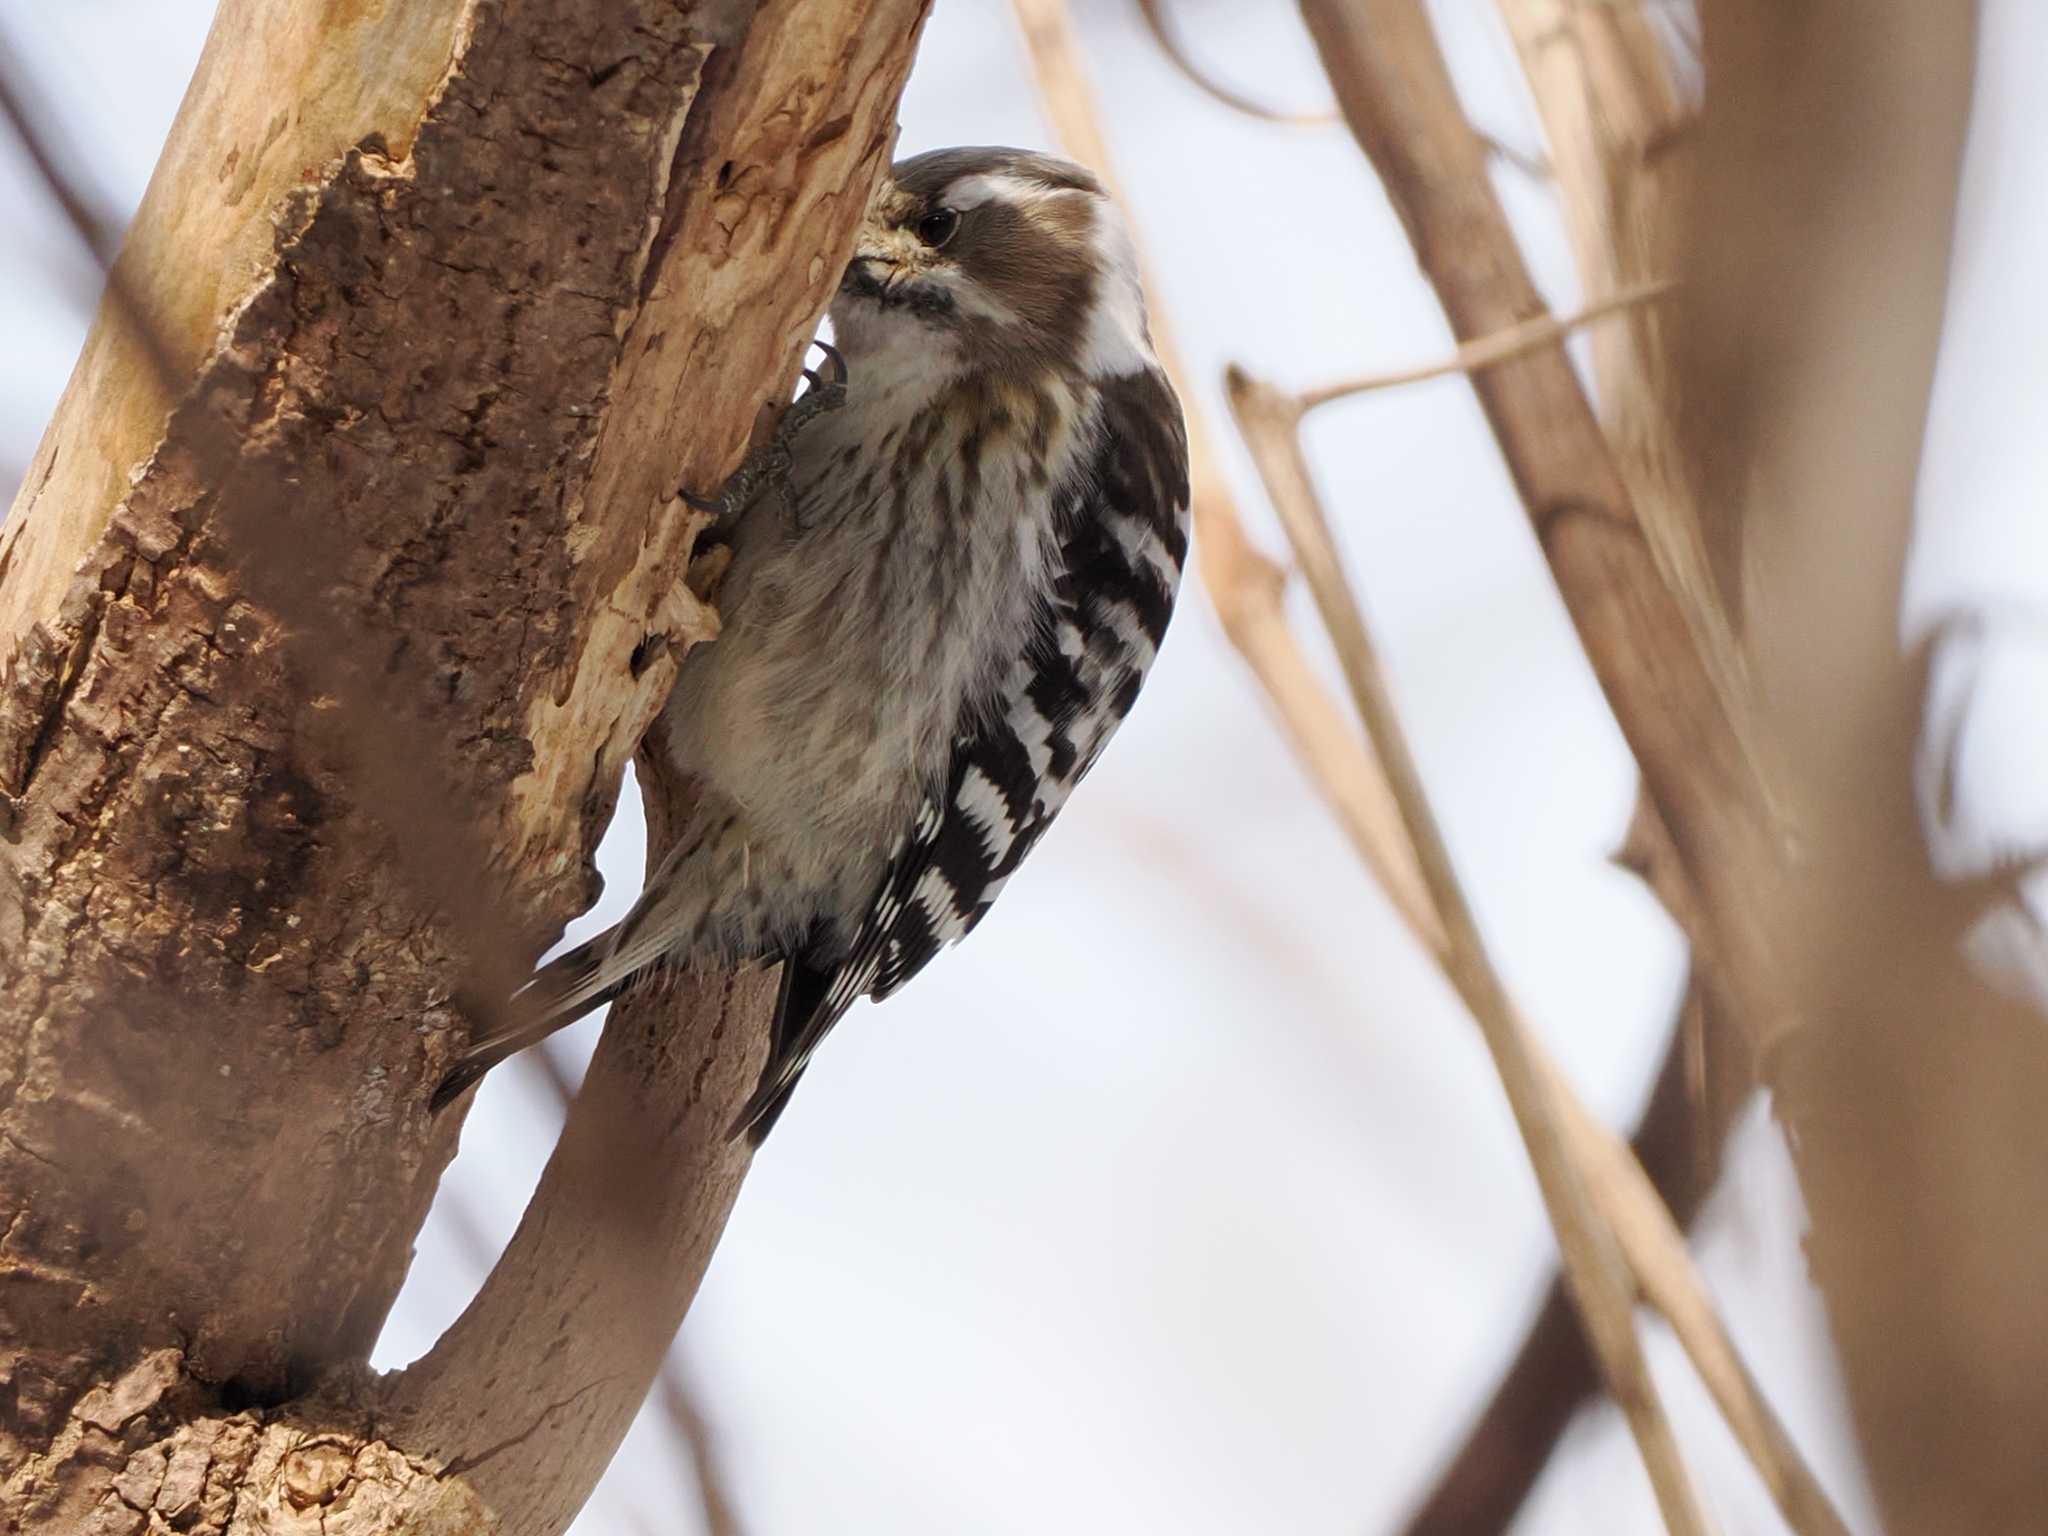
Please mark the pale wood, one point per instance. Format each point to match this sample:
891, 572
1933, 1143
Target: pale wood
1829, 160
1594, 1268
1515, 341
1710, 789
366, 561
1617, 1189
1618, 130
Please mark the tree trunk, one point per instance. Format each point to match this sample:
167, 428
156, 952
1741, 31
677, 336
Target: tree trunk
339, 591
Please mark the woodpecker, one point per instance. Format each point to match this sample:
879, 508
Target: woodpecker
933, 626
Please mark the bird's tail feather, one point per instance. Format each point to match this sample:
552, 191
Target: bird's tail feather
561, 992
812, 997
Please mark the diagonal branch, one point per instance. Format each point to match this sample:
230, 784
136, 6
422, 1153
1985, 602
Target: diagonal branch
1552, 1376
1620, 1193
1487, 351
1594, 1269
1699, 762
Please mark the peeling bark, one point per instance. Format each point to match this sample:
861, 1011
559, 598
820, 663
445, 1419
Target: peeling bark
369, 561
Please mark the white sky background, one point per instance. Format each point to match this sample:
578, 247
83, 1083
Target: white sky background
1182, 1198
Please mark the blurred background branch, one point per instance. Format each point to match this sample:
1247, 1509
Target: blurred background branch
1568, 1155
1712, 423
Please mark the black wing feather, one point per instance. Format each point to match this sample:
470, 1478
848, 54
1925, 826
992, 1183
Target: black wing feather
1123, 538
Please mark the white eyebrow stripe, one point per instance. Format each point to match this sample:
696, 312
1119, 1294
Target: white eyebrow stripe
989, 187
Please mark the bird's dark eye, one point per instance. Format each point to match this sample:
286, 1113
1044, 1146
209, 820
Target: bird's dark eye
937, 227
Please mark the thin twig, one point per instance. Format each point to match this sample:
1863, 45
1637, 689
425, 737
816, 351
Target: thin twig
677, 1394
1552, 1375
1594, 1266
1664, 1269
1535, 167
63, 184
1516, 341
1243, 583
1614, 1182
1163, 33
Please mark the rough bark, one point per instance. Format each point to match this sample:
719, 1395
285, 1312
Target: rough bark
365, 563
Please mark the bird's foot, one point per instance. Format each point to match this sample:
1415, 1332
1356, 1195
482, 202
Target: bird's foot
769, 465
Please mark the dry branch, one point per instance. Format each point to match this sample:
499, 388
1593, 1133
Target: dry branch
1168, 37
690, 1435
1600, 1282
1552, 1376
1618, 129
1486, 352
426, 289
1830, 150
1534, 1088
1697, 763
1617, 1200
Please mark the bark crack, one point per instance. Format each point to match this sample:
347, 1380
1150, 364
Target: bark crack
462, 1466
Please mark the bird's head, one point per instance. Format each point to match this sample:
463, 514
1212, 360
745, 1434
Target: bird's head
997, 258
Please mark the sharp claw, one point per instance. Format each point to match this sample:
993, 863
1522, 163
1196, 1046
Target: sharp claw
770, 463
835, 357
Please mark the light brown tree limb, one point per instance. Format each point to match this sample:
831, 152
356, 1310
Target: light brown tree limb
1698, 764
1620, 134
1618, 1195
1829, 154
1600, 1281
442, 276
690, 1434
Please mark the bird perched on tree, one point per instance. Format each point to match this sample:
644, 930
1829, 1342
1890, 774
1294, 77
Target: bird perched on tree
934, 624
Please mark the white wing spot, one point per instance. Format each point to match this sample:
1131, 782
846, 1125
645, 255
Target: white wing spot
1125, 625
941, 905
980, 800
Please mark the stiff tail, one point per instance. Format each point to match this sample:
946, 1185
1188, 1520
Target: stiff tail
667, 918
561, 992
810, 1001
801, 993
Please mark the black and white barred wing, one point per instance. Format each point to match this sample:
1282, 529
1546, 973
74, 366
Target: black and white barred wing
1122, 544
